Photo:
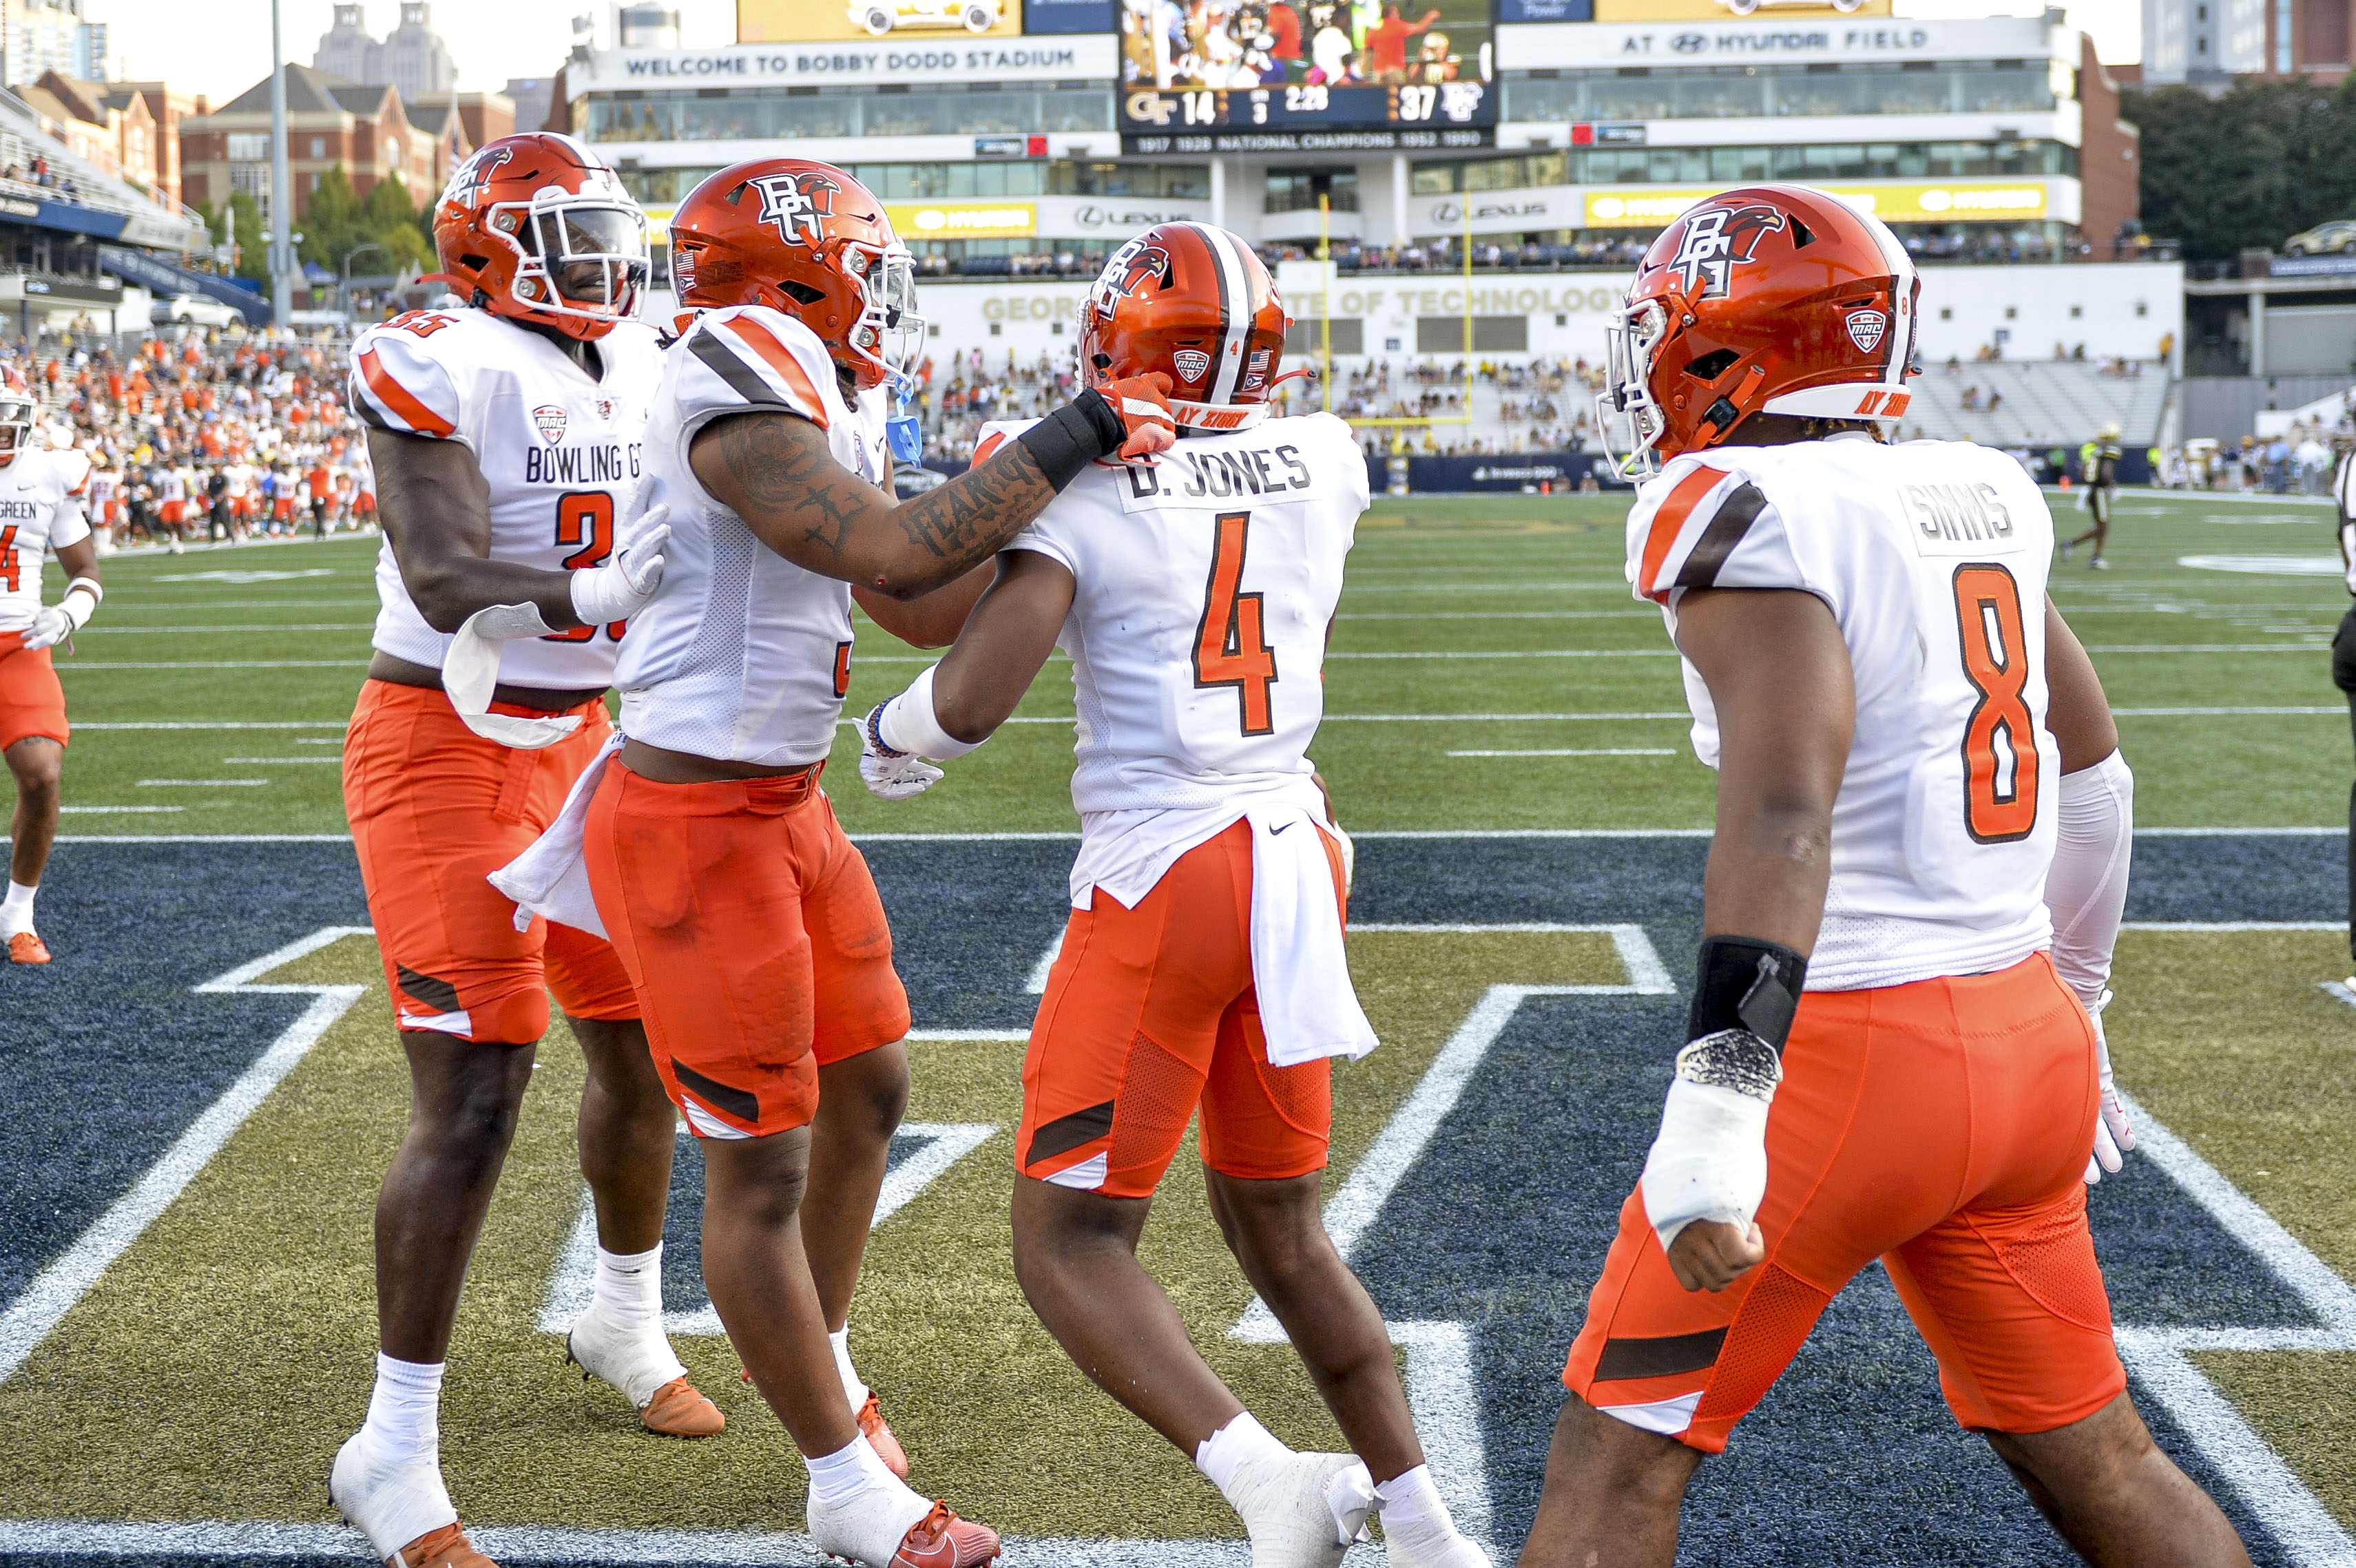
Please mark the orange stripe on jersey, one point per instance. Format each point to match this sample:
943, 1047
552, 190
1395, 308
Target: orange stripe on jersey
1668, 521
396, 398
780, 358
989, 443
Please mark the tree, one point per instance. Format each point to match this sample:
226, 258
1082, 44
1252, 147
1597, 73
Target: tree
244, 228
340, 221
2249, 167
392, 220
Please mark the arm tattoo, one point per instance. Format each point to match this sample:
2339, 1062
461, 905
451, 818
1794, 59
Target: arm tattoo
781, 473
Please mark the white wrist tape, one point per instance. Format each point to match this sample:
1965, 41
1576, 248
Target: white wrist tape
909, 724
1710, 1161
91, 593
2086, 890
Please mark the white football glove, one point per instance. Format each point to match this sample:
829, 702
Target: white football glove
620, 589
888, 774
2114, 1138
51, 625
1709, 1160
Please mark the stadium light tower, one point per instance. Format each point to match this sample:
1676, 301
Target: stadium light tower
282, 188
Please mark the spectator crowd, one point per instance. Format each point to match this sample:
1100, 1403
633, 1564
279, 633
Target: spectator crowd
201, 438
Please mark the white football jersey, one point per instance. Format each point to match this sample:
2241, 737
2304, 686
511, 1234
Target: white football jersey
1207, 580
40, 511
1932, 559
561, 454
742, 654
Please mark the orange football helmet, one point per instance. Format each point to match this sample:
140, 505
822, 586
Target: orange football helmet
804, 238
539, 228
1767, 299
1194, 302
17, 414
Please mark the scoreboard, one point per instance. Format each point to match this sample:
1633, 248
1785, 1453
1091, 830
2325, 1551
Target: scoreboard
1297, 106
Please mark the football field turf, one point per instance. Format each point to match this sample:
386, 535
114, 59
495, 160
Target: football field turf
210, 1087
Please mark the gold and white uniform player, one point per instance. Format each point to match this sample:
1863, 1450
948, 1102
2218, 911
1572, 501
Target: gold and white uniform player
1933, 558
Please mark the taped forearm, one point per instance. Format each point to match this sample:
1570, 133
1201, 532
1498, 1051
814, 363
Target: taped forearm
81, 600
908, 724
2086, 890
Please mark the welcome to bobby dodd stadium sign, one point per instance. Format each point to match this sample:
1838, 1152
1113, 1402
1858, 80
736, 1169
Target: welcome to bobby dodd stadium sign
796, 65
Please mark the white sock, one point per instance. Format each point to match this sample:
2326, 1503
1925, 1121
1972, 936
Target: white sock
1226, 1452
1411, 1507
16, 909
853, 1390
629, 1286
847, 1472
404, 1424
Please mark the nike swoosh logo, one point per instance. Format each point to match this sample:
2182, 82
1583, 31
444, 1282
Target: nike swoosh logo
1274, 831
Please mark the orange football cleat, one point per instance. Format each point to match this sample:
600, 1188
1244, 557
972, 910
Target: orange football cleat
942, 1539
27, 948
677, 1410
444, 1548
879, 1437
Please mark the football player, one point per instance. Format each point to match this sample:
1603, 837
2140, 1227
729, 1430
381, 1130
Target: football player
2099, 467
1910, 901
40, 516
748, 922
507, 437
1202, 965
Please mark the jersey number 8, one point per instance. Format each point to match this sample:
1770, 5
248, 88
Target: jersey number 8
1999, 786
584, 525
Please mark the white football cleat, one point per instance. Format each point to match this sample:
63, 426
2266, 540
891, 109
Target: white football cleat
1454, 1551
1303, 1510
404, 1510
639, 1363
883, 1526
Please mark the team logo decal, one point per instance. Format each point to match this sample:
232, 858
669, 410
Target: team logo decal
468, 185
605, 410
549, 420
1717, 238
1867, 328
1132, 267
1193, 364
797, 203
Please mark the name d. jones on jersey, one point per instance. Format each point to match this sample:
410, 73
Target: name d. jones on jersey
1957, 513
601, 463
1220, 475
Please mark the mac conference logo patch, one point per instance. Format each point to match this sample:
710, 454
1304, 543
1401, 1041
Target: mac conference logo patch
1867, 329
1193, 364
549, 420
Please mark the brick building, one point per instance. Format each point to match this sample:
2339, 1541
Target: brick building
329, 120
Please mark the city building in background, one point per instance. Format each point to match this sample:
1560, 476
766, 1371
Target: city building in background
2210, 43
530, 96
38, 35
329, 121
644, 26
411, 59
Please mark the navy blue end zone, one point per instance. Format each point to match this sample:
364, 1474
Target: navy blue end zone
1852, 1458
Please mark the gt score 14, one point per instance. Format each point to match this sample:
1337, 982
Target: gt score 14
1309, 104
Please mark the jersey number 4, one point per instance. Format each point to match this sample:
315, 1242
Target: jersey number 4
584, 525
11, 570
1231, 644
2001, 739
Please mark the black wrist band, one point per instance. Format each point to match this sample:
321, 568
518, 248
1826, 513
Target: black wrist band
1064, 442
1744, 983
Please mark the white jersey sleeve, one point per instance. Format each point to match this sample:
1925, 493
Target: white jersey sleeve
747, 359
1932, 558
40, 514
400, 383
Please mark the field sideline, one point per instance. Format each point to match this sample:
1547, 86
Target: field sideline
186, 1275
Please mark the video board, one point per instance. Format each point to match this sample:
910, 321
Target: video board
1216, 65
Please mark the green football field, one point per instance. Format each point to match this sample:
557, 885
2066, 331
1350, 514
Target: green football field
1490, 670
177, 1362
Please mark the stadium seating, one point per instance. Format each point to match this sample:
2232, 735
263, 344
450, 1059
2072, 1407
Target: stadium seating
2041, 403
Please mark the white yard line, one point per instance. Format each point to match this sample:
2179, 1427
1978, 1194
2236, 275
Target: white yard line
202, 783
1602, 752
55, 1289
68, 666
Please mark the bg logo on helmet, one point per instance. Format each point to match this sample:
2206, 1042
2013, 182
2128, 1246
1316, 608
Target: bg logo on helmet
468, 185
1132, 267
797, 204
1715, 239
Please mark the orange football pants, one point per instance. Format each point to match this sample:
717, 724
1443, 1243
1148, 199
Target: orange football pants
435, 809
1943, 1128
1150, 1012
752, 930
31, 700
